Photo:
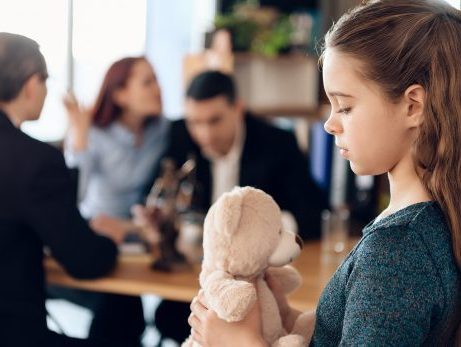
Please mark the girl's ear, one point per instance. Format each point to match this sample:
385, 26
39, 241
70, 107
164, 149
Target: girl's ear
415, 99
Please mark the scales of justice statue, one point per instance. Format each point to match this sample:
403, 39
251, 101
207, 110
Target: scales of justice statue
173, 196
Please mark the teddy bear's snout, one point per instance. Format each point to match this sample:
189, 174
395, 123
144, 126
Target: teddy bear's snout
299, 241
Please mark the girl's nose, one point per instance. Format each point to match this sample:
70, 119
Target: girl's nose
332, 126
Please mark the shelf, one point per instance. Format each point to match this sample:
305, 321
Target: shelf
285, 85
291, 57
311, 113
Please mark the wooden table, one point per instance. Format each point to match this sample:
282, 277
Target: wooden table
133, 276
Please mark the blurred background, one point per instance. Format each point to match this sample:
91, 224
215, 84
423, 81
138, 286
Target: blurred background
273, 56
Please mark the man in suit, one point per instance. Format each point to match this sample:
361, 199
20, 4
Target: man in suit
233, 148
37, 207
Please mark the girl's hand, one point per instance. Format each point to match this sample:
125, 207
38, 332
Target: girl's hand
209, 330
80, 120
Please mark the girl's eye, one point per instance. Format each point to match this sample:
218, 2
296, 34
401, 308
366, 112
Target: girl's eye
345, 110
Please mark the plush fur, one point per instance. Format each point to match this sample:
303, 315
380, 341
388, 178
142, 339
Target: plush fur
243, 238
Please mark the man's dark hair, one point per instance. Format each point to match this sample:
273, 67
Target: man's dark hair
210, 84
20, 59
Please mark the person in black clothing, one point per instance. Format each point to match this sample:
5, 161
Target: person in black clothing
37, 207
232, 148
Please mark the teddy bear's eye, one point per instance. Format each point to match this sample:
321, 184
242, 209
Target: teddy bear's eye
280, 232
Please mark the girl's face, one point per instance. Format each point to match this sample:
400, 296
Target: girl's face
371, 131
141, 95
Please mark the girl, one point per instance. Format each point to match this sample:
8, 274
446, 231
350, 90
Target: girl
391, 71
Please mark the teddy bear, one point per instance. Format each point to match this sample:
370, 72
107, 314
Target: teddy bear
243, 243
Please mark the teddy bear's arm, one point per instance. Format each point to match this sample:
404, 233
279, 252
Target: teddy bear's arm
231, 299
304, 325
301, 334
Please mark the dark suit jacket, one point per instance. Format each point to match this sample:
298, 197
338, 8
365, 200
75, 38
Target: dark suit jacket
37, 209
271, 161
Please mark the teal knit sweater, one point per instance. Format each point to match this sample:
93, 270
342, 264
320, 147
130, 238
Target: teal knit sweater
398, 287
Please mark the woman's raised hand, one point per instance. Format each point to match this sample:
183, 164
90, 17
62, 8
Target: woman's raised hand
80, 120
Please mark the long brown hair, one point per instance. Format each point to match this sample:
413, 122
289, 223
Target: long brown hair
406, 42
105, 110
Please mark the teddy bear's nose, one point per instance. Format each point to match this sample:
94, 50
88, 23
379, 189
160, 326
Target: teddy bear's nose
299, 241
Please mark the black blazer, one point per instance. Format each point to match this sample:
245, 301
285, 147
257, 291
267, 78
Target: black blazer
271, 160
37, 209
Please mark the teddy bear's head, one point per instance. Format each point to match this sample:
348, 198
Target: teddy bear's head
243, 234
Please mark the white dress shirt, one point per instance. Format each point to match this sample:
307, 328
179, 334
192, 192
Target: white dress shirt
225, 170
225, 174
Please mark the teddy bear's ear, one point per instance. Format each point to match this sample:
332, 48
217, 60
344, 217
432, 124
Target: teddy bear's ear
231, 299
227, 212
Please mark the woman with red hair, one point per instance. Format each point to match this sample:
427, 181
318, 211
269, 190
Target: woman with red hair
116, 145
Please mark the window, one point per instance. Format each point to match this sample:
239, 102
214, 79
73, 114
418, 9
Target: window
33, 19
455, 3
104, 30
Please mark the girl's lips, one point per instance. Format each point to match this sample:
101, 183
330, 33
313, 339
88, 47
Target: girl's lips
343, 151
